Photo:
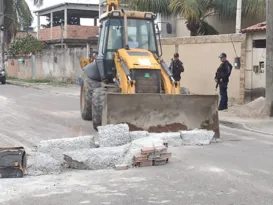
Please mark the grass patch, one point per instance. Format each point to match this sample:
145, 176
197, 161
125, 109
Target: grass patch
40, 81
30, 80
37, 81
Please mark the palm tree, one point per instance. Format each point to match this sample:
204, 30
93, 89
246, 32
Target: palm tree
196, 11
16, 13
38, 3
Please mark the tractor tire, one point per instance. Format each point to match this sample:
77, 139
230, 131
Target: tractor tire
87, 88
98, 97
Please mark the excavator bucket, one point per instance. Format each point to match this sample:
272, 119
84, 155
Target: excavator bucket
161, 112
12, 162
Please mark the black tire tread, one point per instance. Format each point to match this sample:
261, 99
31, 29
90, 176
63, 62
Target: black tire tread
90, 85
4, 81
97, 106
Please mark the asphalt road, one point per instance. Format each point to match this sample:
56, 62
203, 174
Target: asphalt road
29, 115
235, 171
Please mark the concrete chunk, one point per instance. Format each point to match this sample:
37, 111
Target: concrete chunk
42, 164
172, 138
197, 137
95, 159
114, 135
135, 135
57, 147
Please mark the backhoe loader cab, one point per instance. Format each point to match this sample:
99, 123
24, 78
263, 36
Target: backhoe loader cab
136, 31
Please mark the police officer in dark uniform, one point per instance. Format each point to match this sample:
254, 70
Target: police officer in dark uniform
222, 79
176, 67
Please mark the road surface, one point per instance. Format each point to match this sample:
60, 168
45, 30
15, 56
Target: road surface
235, 171
30, 115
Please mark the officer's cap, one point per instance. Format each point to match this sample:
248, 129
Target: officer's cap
223, 55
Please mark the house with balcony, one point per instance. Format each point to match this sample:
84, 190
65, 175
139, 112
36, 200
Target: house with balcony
64, 27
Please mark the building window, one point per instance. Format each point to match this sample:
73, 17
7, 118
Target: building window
261, 43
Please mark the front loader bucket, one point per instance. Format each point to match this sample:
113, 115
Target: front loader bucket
12, 162
161, 112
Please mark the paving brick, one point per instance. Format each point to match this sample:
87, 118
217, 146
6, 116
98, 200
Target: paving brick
121, 167
146, 163
136, 164
159, 149
160, 162
140, 158
153, 156
167, 155
147, 150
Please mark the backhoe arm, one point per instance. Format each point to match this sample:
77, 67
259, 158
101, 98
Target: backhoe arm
112, 5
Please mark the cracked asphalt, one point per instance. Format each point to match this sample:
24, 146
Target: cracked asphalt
235, 171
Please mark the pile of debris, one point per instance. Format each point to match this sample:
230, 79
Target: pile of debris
114, 147
152, 156
255, 109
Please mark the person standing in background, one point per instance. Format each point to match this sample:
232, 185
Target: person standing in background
222, 79
176, 67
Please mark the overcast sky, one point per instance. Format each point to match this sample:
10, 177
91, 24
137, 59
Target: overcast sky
54, 2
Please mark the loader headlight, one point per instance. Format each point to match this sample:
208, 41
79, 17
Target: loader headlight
116, 13
2, 72
148, 16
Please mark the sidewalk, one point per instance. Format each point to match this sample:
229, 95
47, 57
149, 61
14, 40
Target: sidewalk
65, 89
262, 126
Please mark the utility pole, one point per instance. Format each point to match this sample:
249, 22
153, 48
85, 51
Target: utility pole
238, 16
101, 6
62, 35
269, 56
2, 34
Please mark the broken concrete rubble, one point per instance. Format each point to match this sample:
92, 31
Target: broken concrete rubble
172, 138
114, 135
118, 148
135, 135
57, 147
95, 159
42, 163
197, 137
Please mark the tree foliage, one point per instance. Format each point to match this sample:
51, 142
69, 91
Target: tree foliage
16, 13
38, 3
197, 11
25, 45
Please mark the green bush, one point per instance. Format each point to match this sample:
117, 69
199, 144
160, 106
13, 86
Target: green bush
25, 45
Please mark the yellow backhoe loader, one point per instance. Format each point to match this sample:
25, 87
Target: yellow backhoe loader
128, 82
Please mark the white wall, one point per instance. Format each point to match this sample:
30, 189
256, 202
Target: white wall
255, 82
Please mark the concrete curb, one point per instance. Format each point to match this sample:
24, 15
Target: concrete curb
22, 84
242, 126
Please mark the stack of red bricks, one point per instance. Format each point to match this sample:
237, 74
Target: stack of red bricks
152, 156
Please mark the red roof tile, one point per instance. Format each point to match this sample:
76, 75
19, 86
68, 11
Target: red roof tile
254, 28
